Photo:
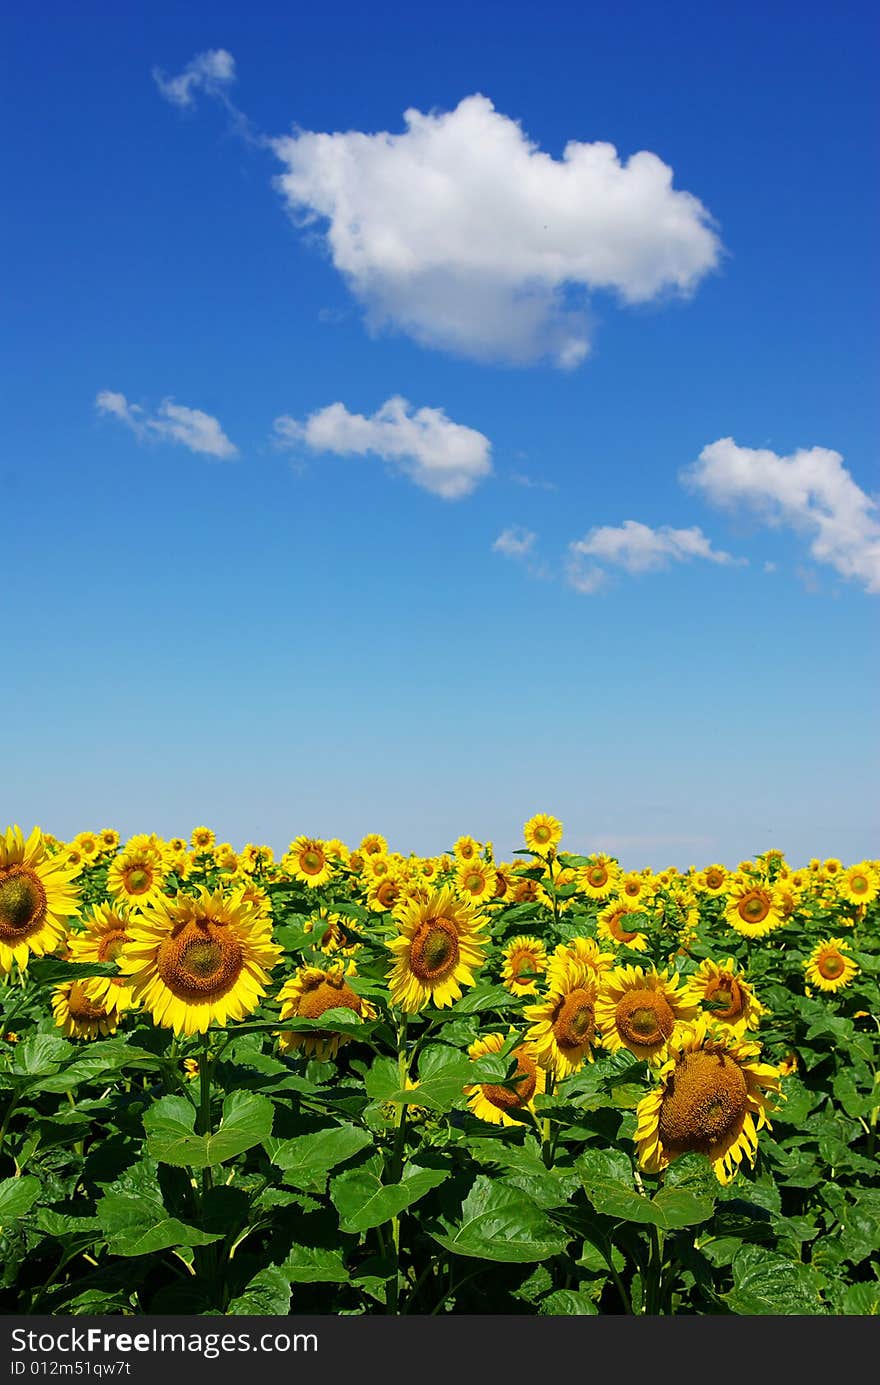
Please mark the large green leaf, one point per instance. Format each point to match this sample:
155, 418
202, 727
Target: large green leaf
267, 1295
134, 1221
246, 1121
500, 1223
363, 1201
766, 1283
39, 1055
314, 1265
307, 1159
669, 1209
17, 1196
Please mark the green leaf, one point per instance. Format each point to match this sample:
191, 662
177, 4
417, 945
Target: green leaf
39, 1055
134, 1221
314, 1265
363, 1201
17, 1196
307, 1159
669, 1209
267, 1295
500, 1223
246, 1121
766, 1283
567, 1303
51, 971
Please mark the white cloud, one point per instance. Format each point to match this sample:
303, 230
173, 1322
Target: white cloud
443, 457
171, 422
515, 542
464, 234
810, 491
210, 72
636, 548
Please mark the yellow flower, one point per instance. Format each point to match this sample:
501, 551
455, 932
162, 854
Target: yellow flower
109, 839
310, 993
639, 1010
753, 908
307, 861
466, 849
600, 878
384, 891
612, 925
373, 844
475, 879
711, 1098
102, 940
542, 834
635, 888
196, 959
525, 958
202, 839
712, 880
79, 1013
89, 844
506, 1104
136, 879
829, 966
438, 949
37, 897
332, 931
562, 1026
858, 884
726, 996
582, 955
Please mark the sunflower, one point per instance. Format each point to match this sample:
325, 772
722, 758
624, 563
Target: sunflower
639, 1010
89, 844
612, 925
599, 878
725, 995
384, 891
466, 849
829, 966
199, 958
500, 1104
37, 897
202, 839
307, 861
634, 887
542, 834
562, 1026
80, 1013
712, 1098
373, 844
583, 955
102, 940
525, 959
712, 880
858, 884
253, 859
331, 932
753, 908
309, 993
523, 889
136, 879
475, 879
109, 839
438, 948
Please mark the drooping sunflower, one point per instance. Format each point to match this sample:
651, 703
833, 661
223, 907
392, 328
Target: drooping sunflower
135, 879
639, 1010
102, 940
308, 862
583, 955
612, 925
525, 960
310, 993
195, 959
562, 1025
711, 1098
829, 966
475, 879
725, 995
37, 897
506, 1104
858, 884
600, 878
542, 833
80, 1013
753, 907
438, 948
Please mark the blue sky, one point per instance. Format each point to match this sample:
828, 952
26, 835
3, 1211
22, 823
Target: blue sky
456, 627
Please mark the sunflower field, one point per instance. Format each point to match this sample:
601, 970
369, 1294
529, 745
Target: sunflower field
349, 1081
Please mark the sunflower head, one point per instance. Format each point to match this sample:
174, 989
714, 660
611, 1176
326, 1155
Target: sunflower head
562, 1025
599, 878
80, 1013
582, 955
307, 861
753, 907
475, 879
542, 834
512, 1102
712, 1098
37, 898
858, 884
438, 948
621, 924
102, 940
525, 959
829, 966
310, 993
638, 1010
725, 995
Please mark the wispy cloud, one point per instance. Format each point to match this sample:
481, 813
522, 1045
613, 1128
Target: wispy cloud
211, 72
515, 542
531, 483
810, 491
412, 222
171, 422
446, 458
636, 548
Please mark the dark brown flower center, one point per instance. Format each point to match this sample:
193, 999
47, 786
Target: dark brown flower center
831, 966
725, 997
200, 961
326, 993
523, 1088
644, 1019
81, 1008
574, 1021
704, 1104
434, 950
22, 904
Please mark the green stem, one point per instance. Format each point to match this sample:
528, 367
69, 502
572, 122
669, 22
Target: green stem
6, 1119
205, 1104
654, 1284
547, 1127
395, 1169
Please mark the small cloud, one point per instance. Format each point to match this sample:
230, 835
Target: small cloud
446, 458
769, 567
519, 478
515, 542
171, 422
210, 72
637, 548
810, 491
